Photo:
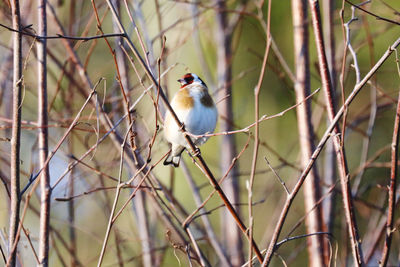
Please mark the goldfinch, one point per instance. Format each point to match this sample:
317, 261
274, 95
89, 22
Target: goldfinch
196, 110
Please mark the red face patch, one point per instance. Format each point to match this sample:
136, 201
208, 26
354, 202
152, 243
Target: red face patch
188, 76
187, 79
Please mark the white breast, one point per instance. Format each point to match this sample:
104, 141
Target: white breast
199, 120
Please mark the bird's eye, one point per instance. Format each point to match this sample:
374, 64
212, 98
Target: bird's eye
189, 79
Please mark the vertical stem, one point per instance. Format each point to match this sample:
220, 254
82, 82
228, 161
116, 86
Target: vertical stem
328, 29
43, 137
312, 194
329, 175
256, 134
392, 189
341, 156
124, 81
231, 233
71, 189
16, 131
71, 211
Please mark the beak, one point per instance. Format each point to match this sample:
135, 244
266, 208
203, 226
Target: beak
181, 81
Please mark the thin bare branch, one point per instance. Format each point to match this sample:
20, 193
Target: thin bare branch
392, 184
277, 176
337, 141
230, 232
16, 133
372, 14
257, 89
43, 146
25, 32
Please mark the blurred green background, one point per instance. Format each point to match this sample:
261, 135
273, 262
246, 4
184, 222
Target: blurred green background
182, 55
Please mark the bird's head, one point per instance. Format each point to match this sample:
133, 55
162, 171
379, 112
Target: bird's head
190, 78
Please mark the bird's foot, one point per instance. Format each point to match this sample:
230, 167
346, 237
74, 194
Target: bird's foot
197, 152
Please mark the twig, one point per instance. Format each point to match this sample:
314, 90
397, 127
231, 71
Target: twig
97, 189
350, 47
211, 210
278, 244
372, 14
59, 36
277, 176
149, 54
282, 60
392, 184
3, 255
203, 260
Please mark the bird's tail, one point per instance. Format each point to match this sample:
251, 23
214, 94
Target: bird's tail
174, 157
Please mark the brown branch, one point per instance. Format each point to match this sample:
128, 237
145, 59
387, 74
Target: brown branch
337, 141
16, 133
43, 146
59, 36
329, 174
300, 236
390, 229
230, 232
97, 189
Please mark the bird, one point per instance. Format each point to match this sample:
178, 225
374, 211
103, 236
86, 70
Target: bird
196, 109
